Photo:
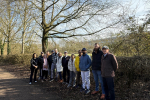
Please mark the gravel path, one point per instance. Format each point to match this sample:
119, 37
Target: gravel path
13, 88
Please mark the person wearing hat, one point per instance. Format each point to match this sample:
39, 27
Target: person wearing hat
66, 71
84, 65
109, 66
40, 64
96, 69
49, 59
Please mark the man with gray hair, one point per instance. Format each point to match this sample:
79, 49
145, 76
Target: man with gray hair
109, 66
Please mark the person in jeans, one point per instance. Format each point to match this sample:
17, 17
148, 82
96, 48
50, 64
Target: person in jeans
96, 69
84, 65
45, 68
72, 69
109, 66
59, 67
40, 64
34, 68
53, 67
65, 60
77, 60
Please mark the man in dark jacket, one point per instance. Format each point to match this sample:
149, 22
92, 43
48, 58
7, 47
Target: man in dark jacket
96, 69
65, 60
49, 59
108, 67
40, 64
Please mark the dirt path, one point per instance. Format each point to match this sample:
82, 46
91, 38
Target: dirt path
13, 88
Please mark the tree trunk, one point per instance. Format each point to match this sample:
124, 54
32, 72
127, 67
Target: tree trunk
8, 47
2, 49
44, 40
23, 42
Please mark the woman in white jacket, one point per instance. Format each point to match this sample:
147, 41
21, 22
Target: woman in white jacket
71, 67
59, 67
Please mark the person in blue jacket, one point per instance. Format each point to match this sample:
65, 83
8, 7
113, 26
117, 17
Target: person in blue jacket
84, 65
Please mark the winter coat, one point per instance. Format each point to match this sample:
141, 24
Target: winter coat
59, 64
71, 65
34, 62
77, 60
65, 61
85, 63
96, 60
109, 65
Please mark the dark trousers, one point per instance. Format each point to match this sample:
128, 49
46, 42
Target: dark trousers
66, 71
44, 73
40, 69
33, 70
60, 76
78, 79
109, 88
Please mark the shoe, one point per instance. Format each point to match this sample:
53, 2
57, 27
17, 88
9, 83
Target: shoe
82, 90
42, 81
61, 81
68, 86
30, 83
87, 91
94, 92
103, 96
51, 80
35, 81
39, 78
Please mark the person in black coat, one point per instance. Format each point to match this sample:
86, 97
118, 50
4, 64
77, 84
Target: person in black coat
96, 69
40, 64
65, 60
34, 68
49, 59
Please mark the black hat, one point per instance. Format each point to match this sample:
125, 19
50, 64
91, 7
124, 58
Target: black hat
52, 51
42, 52
65, 52
84, 49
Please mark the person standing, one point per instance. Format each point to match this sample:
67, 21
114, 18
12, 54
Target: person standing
77, 60
72, 69
59, 67
34, 68
96, 69
50, 62
108, 68
45, 69
84, 65
53, 67
65, 60
40, 64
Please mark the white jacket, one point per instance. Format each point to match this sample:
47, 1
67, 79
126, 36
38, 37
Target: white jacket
71, 65
59, 64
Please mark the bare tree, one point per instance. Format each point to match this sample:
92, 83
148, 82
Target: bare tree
71, 18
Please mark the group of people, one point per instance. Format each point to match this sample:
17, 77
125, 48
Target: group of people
69, 70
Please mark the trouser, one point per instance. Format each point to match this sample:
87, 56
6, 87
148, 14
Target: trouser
78, 78
85, 79
40, 69
44, 74
53, 71
60, 76
109, 88
97, 78
49, 69
72, 78
33, 70
65, 70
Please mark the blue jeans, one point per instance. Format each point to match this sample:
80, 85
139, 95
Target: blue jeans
97, 78
109, 88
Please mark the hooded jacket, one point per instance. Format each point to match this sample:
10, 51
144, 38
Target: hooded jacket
85, 63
